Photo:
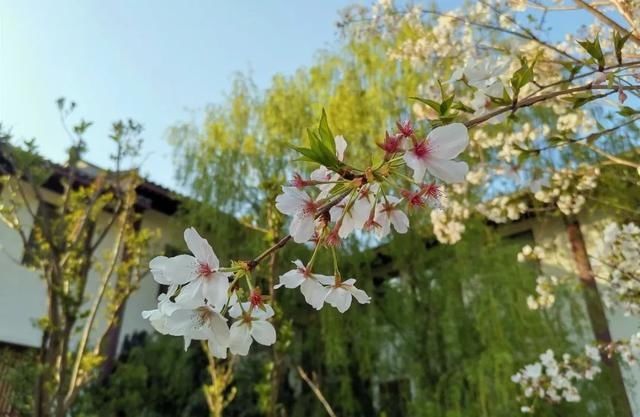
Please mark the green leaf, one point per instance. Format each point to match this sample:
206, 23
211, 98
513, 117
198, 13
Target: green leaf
580, 100
505, 100
522, 77
463, 107
433, 104
325, 132
618, 44
627, 111
446, 105
594, 49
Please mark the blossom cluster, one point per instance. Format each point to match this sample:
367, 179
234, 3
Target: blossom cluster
531, 253
552, 380
618, 257
202, 297
198, 298
371, 201
544, 297
502, 209
629, 350
566, 187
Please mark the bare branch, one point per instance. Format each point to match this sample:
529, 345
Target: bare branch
316, 390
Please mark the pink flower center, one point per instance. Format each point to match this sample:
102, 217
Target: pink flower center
414, 199
309, 208
255, 298
371, 224
388, 208
432, 191
422, 149
205, 270
298, 181
391, 144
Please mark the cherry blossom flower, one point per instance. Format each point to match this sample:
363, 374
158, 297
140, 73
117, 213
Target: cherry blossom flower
312, 286
436, 153
387, 214
200, 323
341, 293
199, 272
303, 208
251, 325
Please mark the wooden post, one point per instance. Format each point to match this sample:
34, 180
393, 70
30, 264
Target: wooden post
597, 315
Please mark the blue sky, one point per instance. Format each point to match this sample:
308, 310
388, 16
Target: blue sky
156, 61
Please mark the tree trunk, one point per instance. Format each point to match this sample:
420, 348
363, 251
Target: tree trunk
597, 316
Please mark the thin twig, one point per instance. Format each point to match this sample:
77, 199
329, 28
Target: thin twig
316, 391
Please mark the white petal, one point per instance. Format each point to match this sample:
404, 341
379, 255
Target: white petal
339, 298
181, 269
400, 221
259, 313
215, 289
336, 211
220, 335
263, 332
217, 351
157, 320
418, 165
291, 201
324, 279
200, 248
187, 342
235, 311
321, 174
240, 339
180, 322
448, 141
361, 210
314, 293
191, 295
291, 279
301, 228
157, 266
447, 170
359, 294
341, 146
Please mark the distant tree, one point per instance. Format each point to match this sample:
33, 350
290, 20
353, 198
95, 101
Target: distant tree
91, 228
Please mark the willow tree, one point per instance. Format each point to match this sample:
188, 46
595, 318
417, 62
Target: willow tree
535, 110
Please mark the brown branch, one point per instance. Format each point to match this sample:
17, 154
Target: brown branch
612, 158
529, 101
316, 390
607, 20
86, 331
588, 138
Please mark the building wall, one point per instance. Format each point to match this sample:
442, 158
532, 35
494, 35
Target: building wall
551, 234
23, 293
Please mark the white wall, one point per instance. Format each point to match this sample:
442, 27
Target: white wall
22, 292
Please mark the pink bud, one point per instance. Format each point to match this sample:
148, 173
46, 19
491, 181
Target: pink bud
405, 128
622, 96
